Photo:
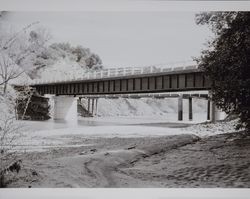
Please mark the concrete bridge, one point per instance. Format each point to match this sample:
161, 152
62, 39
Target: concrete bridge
130, 82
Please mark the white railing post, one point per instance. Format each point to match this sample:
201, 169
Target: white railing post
95, 74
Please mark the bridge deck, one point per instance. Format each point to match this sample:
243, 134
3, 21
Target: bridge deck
168, 81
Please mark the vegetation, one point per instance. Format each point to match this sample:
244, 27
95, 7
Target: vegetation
56, 52
227, 62
14, 47
22, 54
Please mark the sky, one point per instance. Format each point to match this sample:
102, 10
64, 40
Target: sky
124, 38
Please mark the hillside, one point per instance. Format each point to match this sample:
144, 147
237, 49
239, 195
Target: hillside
61, 60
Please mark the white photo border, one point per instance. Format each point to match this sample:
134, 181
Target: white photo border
122, 6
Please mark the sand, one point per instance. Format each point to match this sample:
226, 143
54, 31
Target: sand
164, 161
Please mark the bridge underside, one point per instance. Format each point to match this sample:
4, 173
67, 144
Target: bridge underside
65, 107
154, 83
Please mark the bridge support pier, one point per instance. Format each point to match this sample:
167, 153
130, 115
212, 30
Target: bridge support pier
96, 101
213, 112
190, 108
88, 105
208, 109
180, 108
93, 106
65, 108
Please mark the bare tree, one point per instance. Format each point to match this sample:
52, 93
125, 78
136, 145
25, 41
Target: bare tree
14, 49
17, 49
8, 71
10, 134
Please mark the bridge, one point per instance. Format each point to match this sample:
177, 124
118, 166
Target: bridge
130, 82
127, 80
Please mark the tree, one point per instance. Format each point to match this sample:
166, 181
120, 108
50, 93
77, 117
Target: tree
17, 49
8, 70
227, 62
10, 134
14, 49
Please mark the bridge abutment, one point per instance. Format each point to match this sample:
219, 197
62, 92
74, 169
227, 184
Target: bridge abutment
213, 112
65, 108
216, 113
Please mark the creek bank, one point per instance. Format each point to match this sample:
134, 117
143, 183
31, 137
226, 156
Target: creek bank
166, 161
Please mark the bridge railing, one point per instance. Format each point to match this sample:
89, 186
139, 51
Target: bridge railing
111, 72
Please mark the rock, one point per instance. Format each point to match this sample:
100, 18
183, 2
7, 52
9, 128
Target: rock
93, 150
34, 173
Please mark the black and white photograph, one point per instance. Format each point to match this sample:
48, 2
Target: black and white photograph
125, 98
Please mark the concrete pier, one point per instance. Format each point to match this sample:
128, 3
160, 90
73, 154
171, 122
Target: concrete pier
190, 108
89, 105
215, 113
65, 108
96, 101
180, 108
208, 109
92, 106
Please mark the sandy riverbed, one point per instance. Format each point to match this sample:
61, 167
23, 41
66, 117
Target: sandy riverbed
163, 161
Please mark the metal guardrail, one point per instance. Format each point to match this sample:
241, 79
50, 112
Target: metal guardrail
112, 72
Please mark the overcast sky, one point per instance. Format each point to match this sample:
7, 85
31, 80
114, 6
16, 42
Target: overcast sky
124, 38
